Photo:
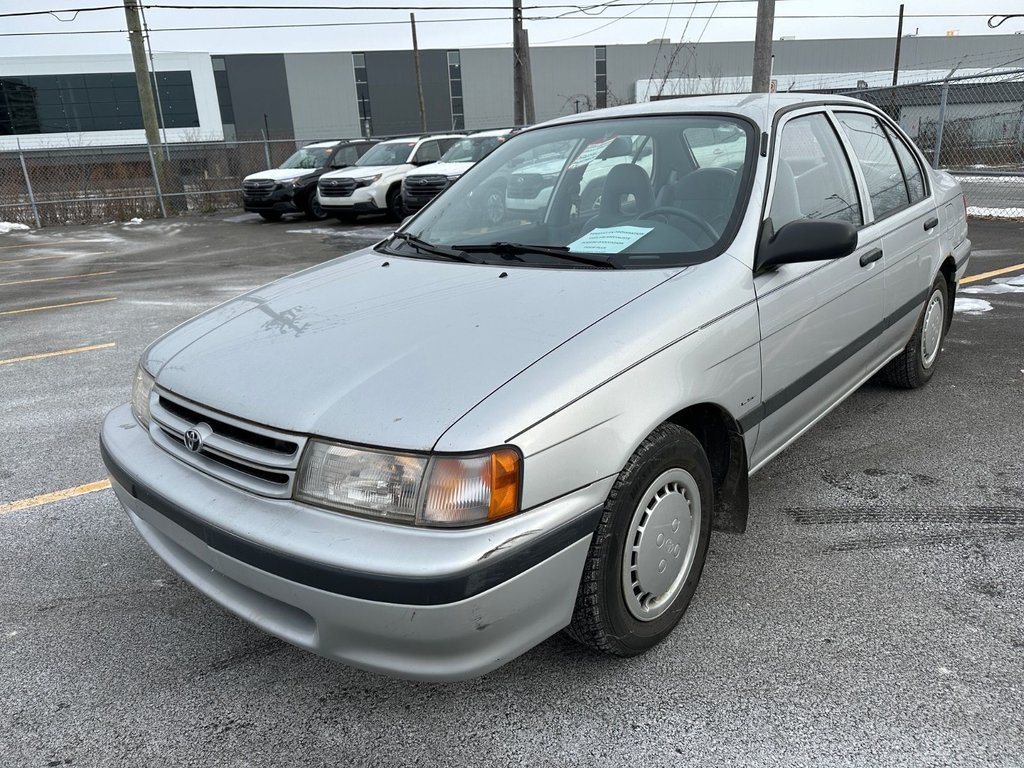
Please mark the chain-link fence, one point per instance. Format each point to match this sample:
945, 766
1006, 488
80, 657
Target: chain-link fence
42, 187
970, 125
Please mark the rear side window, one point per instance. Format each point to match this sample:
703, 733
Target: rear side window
882, 172
813, 179
911, 168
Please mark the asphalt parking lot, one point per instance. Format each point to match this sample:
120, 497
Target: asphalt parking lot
873, 613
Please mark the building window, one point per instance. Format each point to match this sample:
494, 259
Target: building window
91, 102
362, 93
455, 90
601, 75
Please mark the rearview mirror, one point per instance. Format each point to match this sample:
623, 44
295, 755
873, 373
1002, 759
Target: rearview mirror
805, 240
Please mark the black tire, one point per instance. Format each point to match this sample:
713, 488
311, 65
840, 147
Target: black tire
912, 368
601, 619
396, 212
314, 211
347, 218
270, 215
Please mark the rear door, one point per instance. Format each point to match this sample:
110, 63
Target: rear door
903, 217
819, 320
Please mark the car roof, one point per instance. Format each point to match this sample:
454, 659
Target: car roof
759, 107
499, 132
335, 142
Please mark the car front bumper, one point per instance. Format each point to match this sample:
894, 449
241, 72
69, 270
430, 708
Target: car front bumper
362, 200
411, 602
279, 201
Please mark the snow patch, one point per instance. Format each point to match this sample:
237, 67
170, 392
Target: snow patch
999, 285
12, 226
980, 211
135, 220
971, 306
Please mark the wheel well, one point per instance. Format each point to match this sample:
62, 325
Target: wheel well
948, 271
720, 436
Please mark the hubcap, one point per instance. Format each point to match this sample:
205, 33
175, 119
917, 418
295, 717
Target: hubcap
661, 544
931, 331
495, 207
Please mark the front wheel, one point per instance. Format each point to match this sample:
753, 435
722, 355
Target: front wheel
648, 552
314, 211
914, 366
394, 203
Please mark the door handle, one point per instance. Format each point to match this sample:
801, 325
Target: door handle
873, 255
931, 224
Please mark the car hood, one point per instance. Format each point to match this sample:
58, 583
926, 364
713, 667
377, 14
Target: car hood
276, 174
361, 171
383, 350
442, 169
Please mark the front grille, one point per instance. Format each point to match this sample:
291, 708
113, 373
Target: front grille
525, 186
259, 189
423, 186
337, 187
246, 455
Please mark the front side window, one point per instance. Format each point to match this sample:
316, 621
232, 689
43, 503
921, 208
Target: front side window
389, 153
882, 171
429, 152
471, 149
345, 157
590, 193
813, 179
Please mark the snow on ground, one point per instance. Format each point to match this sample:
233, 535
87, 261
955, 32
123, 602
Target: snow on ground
12, 226
995, 213
977, 179
999, 285
971, 306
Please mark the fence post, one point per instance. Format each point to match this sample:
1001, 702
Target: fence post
266, 148
940, 124
156, 179
28, 185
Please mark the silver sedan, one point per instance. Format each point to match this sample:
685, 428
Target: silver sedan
425, 457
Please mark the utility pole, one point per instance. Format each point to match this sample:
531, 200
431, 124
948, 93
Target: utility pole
524, 50
518, 85
762, 74
899, 40
142, 79
419, 76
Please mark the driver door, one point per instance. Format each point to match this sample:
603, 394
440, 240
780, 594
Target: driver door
819, 320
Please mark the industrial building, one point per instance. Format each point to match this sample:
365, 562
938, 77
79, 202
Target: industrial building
92, 101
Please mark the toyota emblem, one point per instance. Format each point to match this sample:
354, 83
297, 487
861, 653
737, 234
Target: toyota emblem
194, 440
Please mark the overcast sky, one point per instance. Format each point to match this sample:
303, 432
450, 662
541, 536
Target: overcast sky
622, 21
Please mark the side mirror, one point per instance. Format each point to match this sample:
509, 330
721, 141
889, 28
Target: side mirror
805, 240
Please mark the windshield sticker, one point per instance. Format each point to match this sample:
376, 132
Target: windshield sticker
590, 152
608, 239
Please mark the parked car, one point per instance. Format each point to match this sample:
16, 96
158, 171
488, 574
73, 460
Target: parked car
374, 183
291, 188
425, 457
421, 186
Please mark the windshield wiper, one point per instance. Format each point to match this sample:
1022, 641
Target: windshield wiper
515, 250
423, 246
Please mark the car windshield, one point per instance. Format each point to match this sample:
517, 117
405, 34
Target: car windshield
308, 157
390, 153
471, 149
625, 193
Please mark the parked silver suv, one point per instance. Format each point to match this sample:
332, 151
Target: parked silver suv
425, 457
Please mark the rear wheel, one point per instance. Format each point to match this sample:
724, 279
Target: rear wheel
914, 366
270, 215
314, 211
648, 552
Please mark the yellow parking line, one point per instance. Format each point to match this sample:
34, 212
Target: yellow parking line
49, 498
61, 277
41, 355
55, 306
993, 273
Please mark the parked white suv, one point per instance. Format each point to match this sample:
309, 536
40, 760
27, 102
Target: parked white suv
374, 183
424, 184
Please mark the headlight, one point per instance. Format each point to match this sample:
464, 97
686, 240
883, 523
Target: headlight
436, 491
141, 388
367, 180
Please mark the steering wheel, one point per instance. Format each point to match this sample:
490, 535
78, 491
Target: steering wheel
682, 213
